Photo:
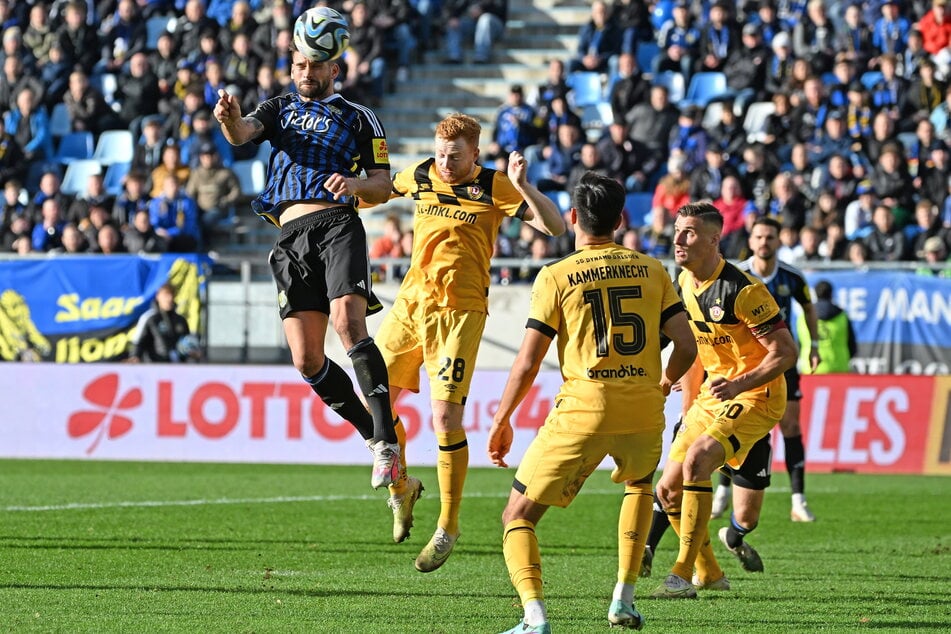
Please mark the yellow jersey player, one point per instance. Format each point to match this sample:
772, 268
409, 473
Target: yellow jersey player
608, 306
744, 346
440, 310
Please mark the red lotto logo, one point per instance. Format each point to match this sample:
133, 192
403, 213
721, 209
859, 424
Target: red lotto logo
103, 394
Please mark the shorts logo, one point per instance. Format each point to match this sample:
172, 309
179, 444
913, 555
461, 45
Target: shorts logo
282, 299
381, 153
474, 192
716, 313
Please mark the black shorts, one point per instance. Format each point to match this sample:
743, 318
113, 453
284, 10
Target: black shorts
793, 393
755, 471
320, 257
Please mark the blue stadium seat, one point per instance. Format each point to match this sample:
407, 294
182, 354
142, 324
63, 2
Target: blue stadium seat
674, 83
76, 178
60, 123
114, 146
154, 27
75, 146
250, 175
646, 53
585, 88
705, 87
115, 174
562, 199
637, 205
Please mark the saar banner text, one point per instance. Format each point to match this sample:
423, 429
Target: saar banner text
85, 308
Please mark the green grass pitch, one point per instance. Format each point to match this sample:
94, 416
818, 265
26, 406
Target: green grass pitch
158, 547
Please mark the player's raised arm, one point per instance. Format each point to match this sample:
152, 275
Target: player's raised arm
542, 212
236, 129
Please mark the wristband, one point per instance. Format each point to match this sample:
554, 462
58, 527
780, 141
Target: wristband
815, 345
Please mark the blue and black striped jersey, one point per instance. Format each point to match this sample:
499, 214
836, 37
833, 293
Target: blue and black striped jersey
310, 140
785, 284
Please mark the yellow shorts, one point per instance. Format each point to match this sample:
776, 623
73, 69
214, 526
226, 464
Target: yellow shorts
445, 340
737, 425
556, 464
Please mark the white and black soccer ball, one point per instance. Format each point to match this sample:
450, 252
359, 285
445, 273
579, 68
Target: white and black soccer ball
321, 34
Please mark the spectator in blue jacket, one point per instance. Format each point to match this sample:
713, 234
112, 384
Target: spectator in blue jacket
599, 40
30, 126
174, 215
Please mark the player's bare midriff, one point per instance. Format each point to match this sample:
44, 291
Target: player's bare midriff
299, 209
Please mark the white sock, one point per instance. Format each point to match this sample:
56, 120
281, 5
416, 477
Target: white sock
798, 499
624, 592
535, 613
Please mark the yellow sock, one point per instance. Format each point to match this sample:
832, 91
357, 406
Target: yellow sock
708, 568
523, 559
632, 528
399, 487
694, 518
451, 468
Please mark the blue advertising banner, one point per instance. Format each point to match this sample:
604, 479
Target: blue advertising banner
73, 309
902, 320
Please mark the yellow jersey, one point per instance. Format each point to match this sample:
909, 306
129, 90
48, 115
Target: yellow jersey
727, 313
454, 231
606, 304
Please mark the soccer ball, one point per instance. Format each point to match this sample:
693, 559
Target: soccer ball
321, 34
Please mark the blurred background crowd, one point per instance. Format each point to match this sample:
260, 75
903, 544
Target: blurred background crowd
831, 116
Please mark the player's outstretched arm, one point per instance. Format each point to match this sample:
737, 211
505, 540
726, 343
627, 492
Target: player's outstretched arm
677, 329
523, 373
542, 212
237, 130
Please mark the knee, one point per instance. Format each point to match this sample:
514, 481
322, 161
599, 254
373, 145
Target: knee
309, 363
509, 515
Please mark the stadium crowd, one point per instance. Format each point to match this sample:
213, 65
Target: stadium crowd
852, 157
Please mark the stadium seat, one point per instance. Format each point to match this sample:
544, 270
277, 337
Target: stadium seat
907, 140
250, 175
264, 152
596, 116
712, 114
646, 53
60, 123
638, 208
114, 146
76, 178
154, 27
705, 87
870, 77
674, 82
115, 174
75, 146
755, 121
537, 165
562, 199
585, 88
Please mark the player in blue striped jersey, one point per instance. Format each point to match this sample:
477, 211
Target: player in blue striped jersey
785, 283
327, 154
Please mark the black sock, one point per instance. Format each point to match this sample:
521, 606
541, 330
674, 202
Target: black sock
796, 463
735, 532
659, 524
334, 387
370, 369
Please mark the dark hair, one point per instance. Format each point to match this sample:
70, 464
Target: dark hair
705, 211
769, 222
823, 290
599, 201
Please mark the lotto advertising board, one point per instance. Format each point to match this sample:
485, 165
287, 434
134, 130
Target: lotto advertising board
873, 424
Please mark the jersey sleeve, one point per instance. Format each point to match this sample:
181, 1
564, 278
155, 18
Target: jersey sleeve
507, 198
756, 308
671, 302
371, 143
801, 292
404, 183
545, 312
268, 113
